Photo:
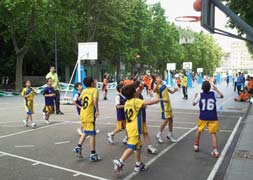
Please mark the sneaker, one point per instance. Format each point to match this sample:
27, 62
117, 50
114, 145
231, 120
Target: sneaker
124, 141
78, 151
215, 154
44, 115
94, 157
140, 167
159, 139
171, 138
25, 123
110, 137
196, 148
59, 113
47, 121
152, 150
79, 131
118, 166
33, 125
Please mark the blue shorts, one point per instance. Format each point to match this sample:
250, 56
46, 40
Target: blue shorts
89, 128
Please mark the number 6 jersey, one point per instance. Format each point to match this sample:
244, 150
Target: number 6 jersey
207, 106
88, 105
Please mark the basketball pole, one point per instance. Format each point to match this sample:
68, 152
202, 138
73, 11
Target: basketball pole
71, 78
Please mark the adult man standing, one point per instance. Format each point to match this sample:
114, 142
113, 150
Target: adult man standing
184, 86
53, 75
239, 83
235, 82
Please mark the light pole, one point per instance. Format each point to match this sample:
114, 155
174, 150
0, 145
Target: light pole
55, 51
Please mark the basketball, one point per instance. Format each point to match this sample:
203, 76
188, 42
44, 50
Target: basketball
197, 5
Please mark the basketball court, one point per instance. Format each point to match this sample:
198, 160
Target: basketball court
46, 152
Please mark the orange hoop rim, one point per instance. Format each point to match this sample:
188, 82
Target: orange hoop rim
187, 19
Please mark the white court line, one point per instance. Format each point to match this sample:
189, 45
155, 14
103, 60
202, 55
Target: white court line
175, 122
7, 122
63, 142
153, 126
30, 130
53, 166
35, 164
224, 151
175, 112
221, 104
75, 175
11, 126
151, 161
20, 146
197, 113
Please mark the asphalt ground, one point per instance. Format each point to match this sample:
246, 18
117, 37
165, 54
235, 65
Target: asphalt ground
45, 153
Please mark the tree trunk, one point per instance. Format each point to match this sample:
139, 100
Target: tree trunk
118, 69
19, 71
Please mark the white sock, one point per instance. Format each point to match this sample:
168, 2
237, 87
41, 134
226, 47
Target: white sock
149, 146
121, 161
111, 133
138, 163
159, 133
170, 133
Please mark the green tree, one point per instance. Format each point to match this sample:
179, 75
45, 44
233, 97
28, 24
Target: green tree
245, 11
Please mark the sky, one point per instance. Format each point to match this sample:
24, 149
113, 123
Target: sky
176, 8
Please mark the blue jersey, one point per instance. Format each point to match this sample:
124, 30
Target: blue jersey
120, 100
207, 106
49, 101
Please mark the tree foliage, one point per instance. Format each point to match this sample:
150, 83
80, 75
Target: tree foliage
244, 10
122, 28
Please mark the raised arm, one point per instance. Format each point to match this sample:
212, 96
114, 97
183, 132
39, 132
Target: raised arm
196, 99
218, 91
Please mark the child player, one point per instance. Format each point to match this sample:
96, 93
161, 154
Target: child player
134, 123
121, 120
89, 113
208, 115
139, 87
49, 94
28, 93
166, 109
77, 102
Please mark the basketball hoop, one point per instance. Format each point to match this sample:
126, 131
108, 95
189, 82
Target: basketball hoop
187, 19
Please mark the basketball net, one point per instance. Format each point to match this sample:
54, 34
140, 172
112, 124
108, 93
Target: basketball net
186, 36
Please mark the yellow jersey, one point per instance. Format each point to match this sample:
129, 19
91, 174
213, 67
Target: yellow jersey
29, 93
133, 115
88, 110
184, 81
163, 93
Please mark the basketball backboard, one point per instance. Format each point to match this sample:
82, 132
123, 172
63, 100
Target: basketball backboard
218, 70
171, 66
87, 51
208, 20
187, 65
208, 15
199, 70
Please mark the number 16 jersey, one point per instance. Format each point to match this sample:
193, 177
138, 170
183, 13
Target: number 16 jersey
88, 110
207, 106
133, 117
